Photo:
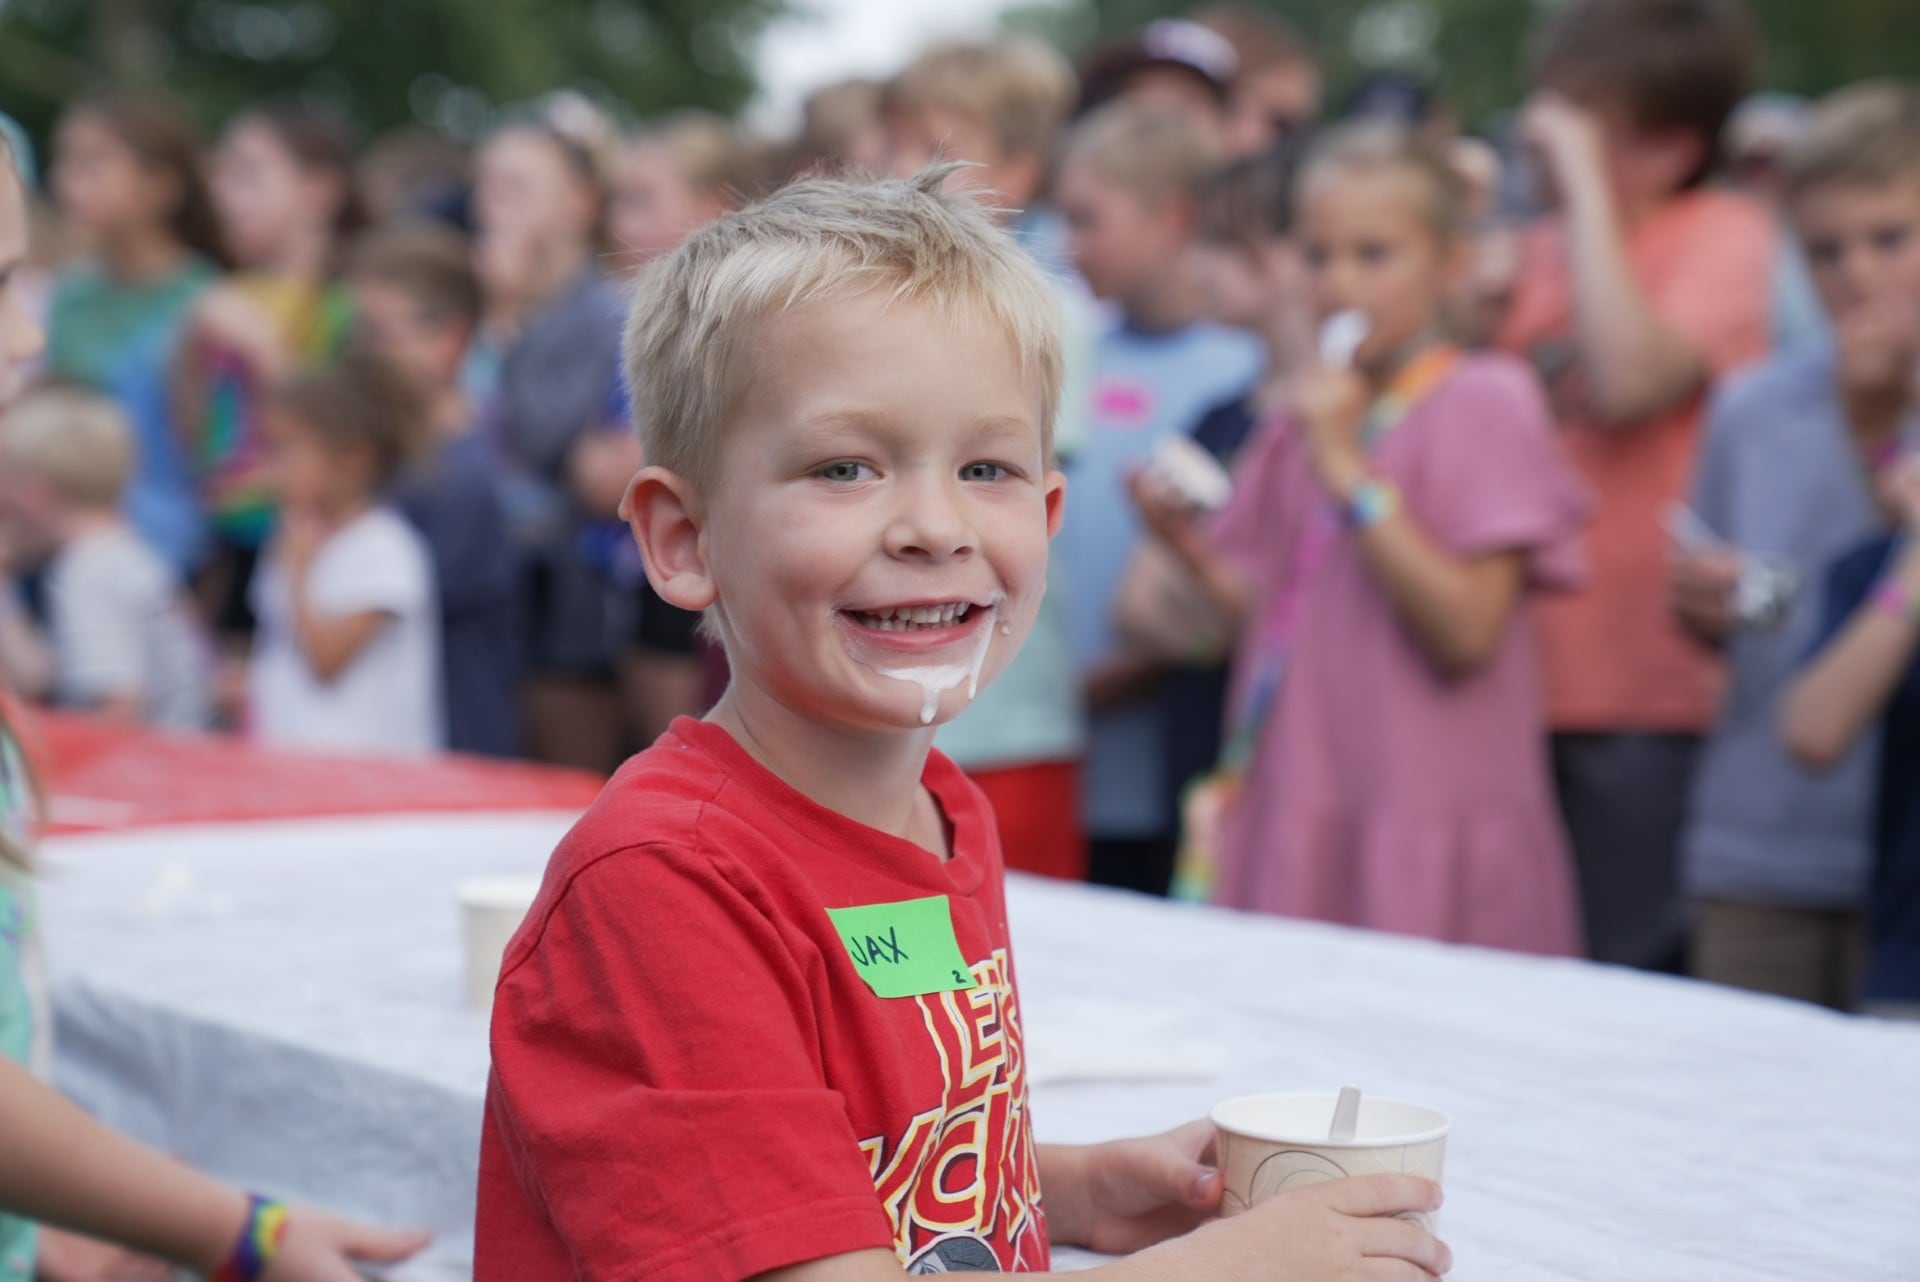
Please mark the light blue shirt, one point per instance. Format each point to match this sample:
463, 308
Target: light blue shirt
1032, 714
1145, 386
1778, 478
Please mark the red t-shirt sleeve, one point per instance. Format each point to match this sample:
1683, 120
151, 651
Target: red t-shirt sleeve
657, 1084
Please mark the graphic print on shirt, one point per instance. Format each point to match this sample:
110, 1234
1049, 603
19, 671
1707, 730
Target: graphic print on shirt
962, 1188
1125, 404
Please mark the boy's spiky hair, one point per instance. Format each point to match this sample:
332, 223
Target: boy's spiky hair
697, 311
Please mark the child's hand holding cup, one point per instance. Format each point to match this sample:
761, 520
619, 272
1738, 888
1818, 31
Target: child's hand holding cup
1273, 1144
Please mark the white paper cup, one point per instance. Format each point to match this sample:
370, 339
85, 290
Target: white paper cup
491, 909
1269, 1144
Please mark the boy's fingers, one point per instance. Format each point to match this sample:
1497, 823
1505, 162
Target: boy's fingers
1194, 1139
384, 1245
1384, 1269
1364, 1195
1404, 1240
1173, 1168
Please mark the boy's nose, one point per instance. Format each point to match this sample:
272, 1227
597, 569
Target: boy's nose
931, 523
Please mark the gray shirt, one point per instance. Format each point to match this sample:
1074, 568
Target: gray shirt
122, 629
1778, 477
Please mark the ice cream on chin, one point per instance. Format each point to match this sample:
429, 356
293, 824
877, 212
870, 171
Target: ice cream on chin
934, 679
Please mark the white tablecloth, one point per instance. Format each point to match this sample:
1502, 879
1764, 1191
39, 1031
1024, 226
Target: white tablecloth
281, 1003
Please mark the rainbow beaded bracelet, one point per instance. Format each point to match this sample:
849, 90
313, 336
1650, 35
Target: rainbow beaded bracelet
259, 1241
1371, 503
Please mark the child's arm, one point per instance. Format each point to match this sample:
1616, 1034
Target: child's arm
26, 660
65, 1168
1324, 1233
1845, 688
330, 642
1636, 366
1178, 527
1456, 607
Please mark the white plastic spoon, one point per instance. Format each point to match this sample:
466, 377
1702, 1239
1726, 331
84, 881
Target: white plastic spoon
1346, 1114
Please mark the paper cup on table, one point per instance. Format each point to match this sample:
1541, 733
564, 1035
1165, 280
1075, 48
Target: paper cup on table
491, 909
1269, 1144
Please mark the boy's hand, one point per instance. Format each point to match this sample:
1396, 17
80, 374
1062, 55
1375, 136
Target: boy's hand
1700, 588
1341, 1231
1879, 347
322, 1248
1126, 1195
1572, 139
297, 541
67, 1257
1331, 404
1167, 513
1900, 492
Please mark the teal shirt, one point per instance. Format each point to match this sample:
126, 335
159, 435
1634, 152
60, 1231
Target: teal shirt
123, 339
16, 1007
1032, 714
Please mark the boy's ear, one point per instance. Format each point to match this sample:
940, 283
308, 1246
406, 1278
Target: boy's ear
1056, 500
1180, 214
666, 517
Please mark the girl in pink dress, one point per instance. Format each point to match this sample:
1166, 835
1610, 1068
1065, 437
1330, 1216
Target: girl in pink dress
1377, 555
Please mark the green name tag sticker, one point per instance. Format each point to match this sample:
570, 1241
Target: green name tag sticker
904, 949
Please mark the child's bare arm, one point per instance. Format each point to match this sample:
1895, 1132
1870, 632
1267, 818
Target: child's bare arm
1179, 528
1343, 1231
1636, 367
1456, 607
26, 659
65, 1168
332, 642
1845, 689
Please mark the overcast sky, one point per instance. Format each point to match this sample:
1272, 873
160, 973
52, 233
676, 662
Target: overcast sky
827, 40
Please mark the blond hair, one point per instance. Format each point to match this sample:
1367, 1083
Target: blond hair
691, 330
1380, 147
1148, 150
74, 438
1864, 135
1016, 86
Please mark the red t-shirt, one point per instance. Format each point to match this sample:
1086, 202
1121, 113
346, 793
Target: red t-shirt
1615, 657
690, 1078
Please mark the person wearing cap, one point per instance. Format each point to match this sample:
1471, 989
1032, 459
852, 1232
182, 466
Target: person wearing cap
1174, 65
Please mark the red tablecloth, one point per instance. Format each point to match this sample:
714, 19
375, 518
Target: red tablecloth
106, 775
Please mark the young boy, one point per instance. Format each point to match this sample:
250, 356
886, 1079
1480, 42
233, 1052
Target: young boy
1128, 187
415, 297
762, 1020
1630, 303
1778, 858
122, 636
999, 106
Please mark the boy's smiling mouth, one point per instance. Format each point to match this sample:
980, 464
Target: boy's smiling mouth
914, 618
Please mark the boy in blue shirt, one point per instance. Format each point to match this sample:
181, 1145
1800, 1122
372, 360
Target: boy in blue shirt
1128, 187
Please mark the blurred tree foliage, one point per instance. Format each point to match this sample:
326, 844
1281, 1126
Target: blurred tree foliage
1476, 48
383, 62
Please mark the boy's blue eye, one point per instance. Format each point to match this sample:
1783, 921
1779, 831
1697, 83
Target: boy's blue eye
844, 470
982, 472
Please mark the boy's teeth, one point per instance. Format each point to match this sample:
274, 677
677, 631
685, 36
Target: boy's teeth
908, 618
